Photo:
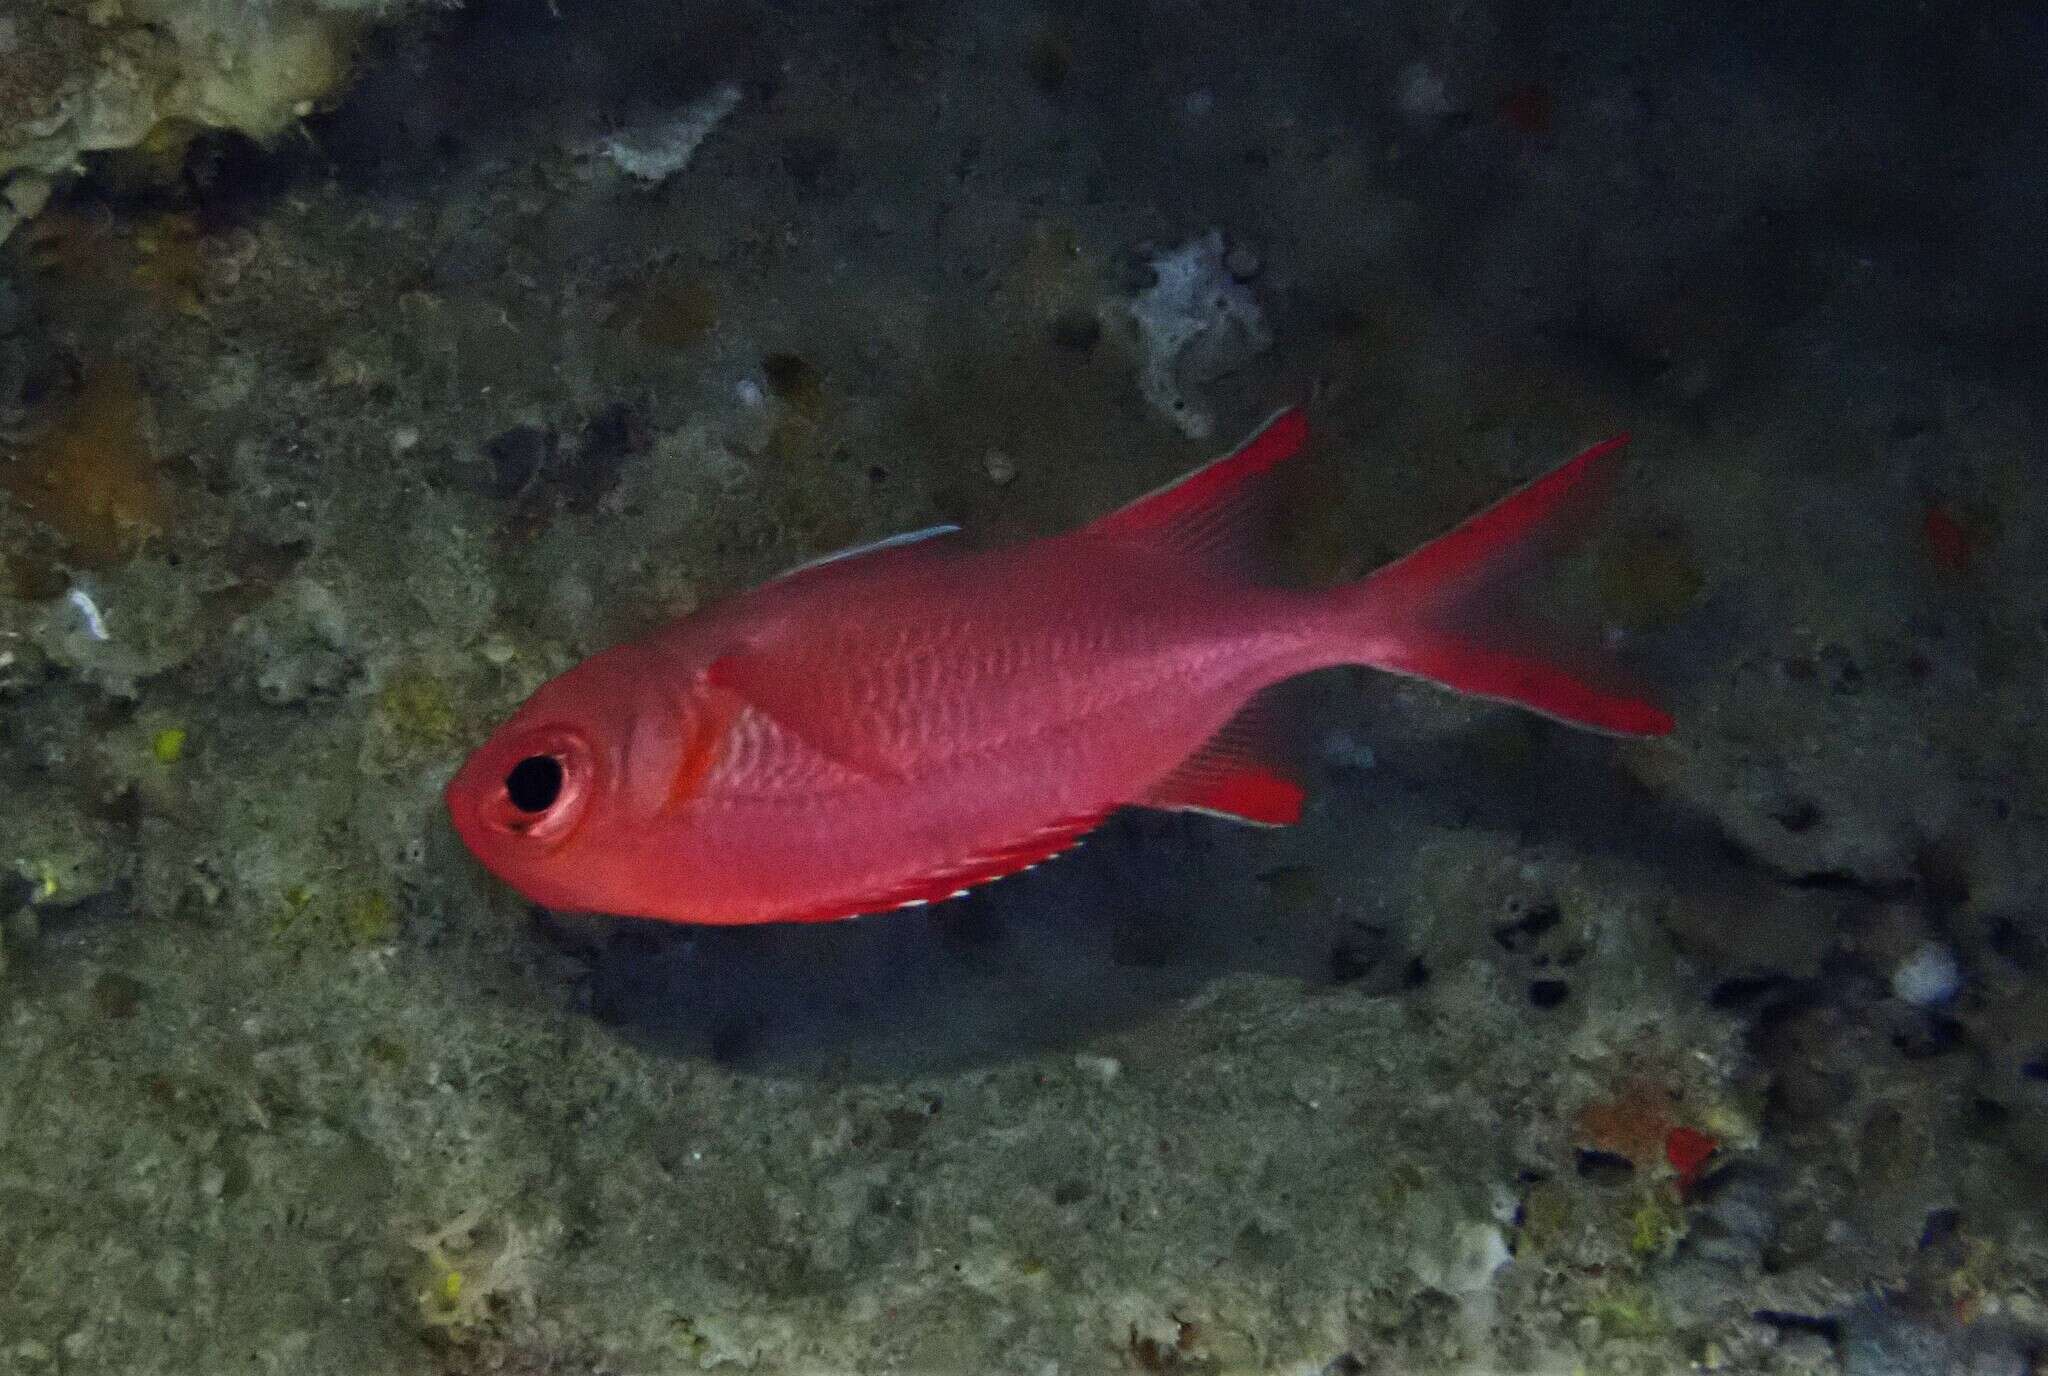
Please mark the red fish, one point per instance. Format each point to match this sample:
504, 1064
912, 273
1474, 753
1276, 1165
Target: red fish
894, 726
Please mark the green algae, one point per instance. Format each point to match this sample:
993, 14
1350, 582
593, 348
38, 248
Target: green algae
419, 710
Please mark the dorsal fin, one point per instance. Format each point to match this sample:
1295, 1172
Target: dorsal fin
1213, 511
1233, 775
887, 542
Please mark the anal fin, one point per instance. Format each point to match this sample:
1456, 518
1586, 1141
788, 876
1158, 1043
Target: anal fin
955, 877
1234, 775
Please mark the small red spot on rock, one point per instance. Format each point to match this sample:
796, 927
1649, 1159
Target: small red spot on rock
1688, 1150
1948, 543
1528, 108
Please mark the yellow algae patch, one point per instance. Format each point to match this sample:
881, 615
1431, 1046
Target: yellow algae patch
418, 709
75, 248
90, 475
168, 745
475, 1271
1655, 1226
368, 918
92, 257
669, 312
171, 262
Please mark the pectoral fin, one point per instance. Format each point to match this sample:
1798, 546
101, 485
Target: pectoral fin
786, 694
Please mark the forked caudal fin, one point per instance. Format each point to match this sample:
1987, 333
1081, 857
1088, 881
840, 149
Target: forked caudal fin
1427, 614
1435, 614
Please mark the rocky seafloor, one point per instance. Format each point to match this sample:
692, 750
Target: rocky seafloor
361, 367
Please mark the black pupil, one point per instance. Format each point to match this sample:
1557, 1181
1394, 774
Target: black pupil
534, 783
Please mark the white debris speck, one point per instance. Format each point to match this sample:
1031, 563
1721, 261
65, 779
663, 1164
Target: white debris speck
25, 195
748, 393
89, 612
1197, 325
571, 599
1101, 1069
1000, 467
1346, 751
1421, 95
1929, 977
656, 152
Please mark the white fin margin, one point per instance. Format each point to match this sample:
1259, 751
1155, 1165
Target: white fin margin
908, 537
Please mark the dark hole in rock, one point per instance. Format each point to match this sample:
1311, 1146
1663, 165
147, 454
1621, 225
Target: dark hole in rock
1360, 951
613, 435
2018, 944
1941, 1225
1933, 1035
1943, 870
902, 1128
118, 996
808, 158
1524, 932
1834, 881
1738, 991
1786, 1322
592, 468
790, 376
1077, 329
1604, 1167
1845, 675
230, 176
515, 457
1796, 815
1985, 1115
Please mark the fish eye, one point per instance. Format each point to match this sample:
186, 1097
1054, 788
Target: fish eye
534, 783
536, 787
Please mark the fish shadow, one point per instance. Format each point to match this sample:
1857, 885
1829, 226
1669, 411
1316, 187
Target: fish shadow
1106, 937
1153, 909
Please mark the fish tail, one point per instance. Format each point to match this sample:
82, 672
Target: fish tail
1440, 613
